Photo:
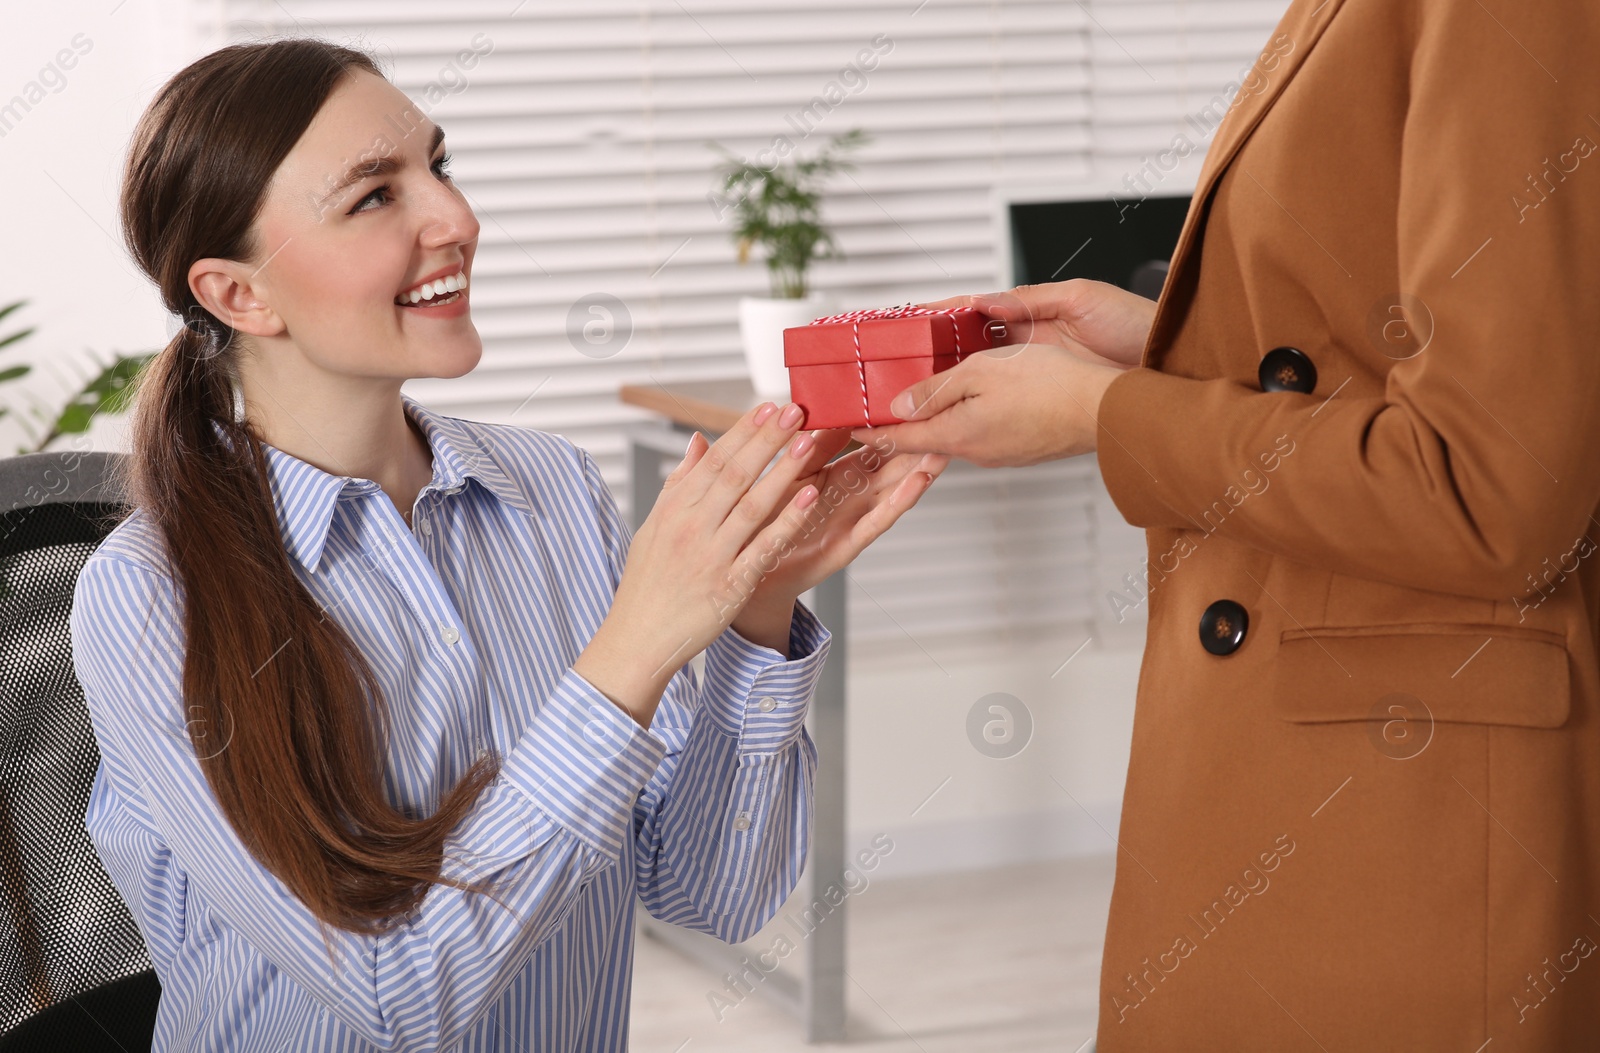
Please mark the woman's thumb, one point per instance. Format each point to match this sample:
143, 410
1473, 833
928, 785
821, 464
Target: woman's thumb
928, 397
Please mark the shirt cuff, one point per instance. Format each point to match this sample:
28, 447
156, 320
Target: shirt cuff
584, 761
753, 693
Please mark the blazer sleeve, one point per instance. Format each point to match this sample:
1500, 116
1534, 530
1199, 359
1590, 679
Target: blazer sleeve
1479, 458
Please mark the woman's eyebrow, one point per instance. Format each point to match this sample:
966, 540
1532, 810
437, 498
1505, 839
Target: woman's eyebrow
385, 165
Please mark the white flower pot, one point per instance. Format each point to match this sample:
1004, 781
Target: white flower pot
762, 321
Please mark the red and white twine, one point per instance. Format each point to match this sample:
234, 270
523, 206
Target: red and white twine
855, 318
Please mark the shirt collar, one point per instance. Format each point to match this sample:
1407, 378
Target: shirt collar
305, 496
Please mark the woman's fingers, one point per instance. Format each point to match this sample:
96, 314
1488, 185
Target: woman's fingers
949, 431
863, 472
895, 471
949, 302
778, 541
1064, 299
862, 516
739, 508
927, 398
887, 467
748, 520
891, 506
698, 479
814, 464
756, 506
691, 457
829, 441
732, 463
743, 467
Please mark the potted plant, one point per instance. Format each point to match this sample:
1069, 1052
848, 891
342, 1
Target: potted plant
778, 207
107, 391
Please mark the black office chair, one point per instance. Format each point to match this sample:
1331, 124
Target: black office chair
74, 971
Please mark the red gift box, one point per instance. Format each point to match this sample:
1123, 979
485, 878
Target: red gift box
845, 369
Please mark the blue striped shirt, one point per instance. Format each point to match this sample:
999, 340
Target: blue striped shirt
471, 620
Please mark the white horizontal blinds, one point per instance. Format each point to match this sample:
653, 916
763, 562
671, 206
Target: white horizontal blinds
580, 137
1158, 66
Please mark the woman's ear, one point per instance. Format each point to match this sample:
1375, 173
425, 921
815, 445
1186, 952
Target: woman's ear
226, 289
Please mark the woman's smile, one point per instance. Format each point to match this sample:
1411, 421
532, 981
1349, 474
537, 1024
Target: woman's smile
442, 295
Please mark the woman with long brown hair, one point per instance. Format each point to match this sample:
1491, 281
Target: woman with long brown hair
395, 716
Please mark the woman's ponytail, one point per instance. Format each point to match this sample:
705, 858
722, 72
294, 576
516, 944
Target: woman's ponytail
285, 714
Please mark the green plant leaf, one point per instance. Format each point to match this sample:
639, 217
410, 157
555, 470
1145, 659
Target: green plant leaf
780, 209
21, 334
14, 337
107, 393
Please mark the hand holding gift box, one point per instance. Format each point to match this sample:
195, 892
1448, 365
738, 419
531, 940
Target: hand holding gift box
1035, 399
845, 368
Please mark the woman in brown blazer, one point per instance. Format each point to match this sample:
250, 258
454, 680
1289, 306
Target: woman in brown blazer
1361, 428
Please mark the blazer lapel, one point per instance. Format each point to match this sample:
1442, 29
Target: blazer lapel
1297, 32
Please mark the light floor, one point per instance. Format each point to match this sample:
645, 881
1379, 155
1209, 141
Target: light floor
980, 962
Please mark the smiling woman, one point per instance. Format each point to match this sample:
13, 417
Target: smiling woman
351, 662
326, 330
305, 331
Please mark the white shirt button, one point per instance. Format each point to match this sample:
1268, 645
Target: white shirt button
742, 822
424, 526
449, 634
768, 704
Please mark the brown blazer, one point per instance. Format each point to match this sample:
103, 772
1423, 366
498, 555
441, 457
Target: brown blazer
1363, 805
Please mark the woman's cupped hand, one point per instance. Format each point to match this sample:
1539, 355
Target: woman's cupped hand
735, 537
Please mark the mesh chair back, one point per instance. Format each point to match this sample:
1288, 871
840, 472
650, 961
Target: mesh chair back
64, 928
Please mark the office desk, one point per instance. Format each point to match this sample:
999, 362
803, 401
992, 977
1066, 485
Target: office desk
713, 407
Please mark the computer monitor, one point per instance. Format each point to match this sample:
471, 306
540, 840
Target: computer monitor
1106, 231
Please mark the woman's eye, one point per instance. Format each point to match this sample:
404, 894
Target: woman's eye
358, 206
441, 168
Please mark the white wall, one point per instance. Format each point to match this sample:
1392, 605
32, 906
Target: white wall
917, 773
916, 776
60, 167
